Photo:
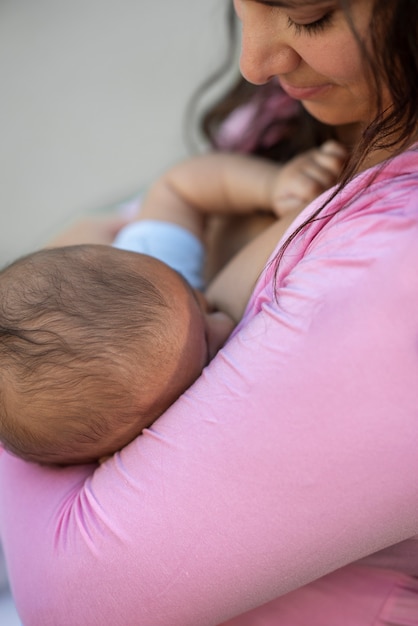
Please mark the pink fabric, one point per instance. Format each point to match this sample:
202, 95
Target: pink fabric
261, 121
351, 596
293, 456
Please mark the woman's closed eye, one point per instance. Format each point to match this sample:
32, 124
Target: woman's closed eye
311, 28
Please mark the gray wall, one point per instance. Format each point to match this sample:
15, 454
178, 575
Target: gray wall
92, 97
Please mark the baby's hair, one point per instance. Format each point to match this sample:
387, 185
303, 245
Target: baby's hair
75, 323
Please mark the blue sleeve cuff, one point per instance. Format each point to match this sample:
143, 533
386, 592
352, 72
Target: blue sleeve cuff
169, 243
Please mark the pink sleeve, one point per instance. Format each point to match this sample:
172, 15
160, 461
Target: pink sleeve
294, 454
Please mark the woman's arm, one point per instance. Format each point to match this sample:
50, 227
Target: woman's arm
232, 287
292, 455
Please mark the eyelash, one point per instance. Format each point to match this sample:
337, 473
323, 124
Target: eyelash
313, 27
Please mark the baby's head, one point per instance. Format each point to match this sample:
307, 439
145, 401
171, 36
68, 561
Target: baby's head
95, 343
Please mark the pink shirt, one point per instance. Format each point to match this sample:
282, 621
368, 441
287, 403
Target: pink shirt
294, 455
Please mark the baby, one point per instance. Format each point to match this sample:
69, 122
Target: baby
96, 341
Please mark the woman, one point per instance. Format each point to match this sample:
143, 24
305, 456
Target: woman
286, 475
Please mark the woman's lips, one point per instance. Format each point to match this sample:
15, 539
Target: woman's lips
305, 93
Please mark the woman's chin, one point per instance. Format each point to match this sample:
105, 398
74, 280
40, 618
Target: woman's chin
332, 115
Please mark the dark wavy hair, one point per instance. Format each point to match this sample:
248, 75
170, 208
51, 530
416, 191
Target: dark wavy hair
392, 63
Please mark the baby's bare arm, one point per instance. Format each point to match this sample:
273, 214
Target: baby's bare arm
224, 183
221, 183
210, 184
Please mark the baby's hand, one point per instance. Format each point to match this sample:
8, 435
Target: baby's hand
306, 176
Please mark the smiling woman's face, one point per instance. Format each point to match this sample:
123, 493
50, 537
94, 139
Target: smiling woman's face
310, 47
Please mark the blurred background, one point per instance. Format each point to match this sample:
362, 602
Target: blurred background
93, 95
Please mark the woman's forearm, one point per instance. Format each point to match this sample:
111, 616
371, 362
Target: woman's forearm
231, 288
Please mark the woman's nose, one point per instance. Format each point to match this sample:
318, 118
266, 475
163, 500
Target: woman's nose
265, 49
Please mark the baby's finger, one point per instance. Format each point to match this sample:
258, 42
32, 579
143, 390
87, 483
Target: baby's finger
323, 169
316, 182
314, 178
334, 148
330, 157
290, 204
304, 189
